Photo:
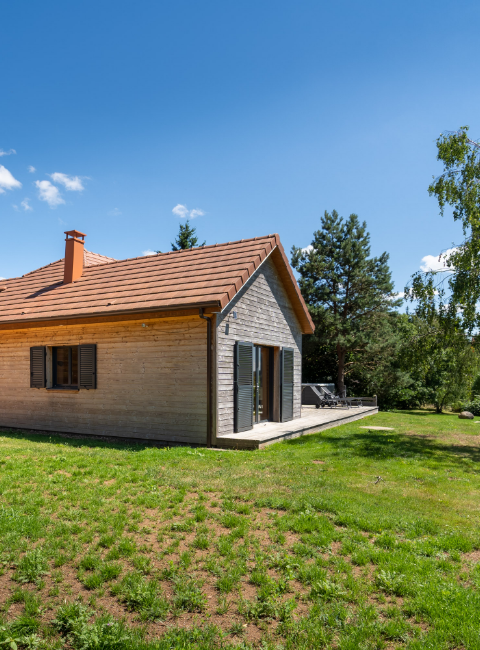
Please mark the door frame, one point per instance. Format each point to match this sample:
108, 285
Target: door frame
271, 382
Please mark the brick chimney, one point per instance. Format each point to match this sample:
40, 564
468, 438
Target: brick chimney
74, 244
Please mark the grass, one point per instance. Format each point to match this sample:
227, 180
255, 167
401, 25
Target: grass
346, 539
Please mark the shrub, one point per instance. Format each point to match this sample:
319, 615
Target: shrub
473, 406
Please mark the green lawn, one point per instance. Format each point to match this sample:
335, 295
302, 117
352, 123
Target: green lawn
345, 539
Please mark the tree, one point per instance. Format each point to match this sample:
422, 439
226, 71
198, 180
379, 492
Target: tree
442, 363
349, 294
454, 291
186, 238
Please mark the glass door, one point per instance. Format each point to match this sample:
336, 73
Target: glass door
262, 372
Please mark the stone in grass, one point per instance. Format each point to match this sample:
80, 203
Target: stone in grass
466, 415
379, 428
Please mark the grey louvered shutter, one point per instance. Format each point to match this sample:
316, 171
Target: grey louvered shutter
287, 384
38, 373
243, 386
87, 366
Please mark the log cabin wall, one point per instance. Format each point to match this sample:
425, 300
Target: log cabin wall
151, 381
265, 316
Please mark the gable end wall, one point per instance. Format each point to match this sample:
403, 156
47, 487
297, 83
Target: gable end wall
265, 316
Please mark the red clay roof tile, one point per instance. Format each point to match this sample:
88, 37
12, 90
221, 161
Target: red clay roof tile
207, 276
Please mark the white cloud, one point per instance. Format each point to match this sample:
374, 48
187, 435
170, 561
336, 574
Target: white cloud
2, 278
400, 294
49, 193
114, 213
307, 249
31, 169
26, 205
149, 252
71, 183
182, 211
7, 181
436, 262
7, 153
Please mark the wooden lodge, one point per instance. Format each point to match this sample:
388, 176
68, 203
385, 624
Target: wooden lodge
185, 347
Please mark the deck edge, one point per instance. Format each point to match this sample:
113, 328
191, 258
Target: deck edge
238, 443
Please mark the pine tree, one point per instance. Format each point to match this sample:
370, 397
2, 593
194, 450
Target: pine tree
349, 294
186, 238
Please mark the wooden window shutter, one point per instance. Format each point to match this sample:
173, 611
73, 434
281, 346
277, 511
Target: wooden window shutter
87, 366
243, 386
287, 384
38, 373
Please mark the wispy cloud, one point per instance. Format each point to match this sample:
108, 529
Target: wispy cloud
180, 211
49, 193
26, 205
71, 183
183, 212
31, 169
7, 181
114, 213
437, 262
7, 153
149, 252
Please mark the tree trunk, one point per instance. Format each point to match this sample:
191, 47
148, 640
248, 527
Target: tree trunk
438, 407
341, 371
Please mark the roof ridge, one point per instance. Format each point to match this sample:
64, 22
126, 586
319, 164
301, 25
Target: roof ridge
186, 250
45, 266
138, 257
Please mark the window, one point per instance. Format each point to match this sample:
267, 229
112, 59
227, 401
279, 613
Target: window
65, 366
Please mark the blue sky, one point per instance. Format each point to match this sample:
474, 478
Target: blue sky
260, 115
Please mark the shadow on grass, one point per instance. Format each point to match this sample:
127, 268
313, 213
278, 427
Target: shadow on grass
371, 444
79, 441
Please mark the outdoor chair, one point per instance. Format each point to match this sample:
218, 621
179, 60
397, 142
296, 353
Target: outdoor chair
318, 396
321, 397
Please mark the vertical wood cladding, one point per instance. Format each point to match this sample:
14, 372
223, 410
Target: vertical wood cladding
265, 316
150, 381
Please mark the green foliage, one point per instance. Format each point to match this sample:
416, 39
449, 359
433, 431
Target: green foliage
70, 616
143, 596
456, 288
102, 572
349, 294
186, 237
473, 406
441, 363
32, 566
290, 566
188, 594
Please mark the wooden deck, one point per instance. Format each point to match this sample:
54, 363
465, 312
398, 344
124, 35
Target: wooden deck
311, 421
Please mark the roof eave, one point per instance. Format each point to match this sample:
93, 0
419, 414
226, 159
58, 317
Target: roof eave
211, 306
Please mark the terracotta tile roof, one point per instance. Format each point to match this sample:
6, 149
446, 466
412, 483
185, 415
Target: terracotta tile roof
92, 259
208, 276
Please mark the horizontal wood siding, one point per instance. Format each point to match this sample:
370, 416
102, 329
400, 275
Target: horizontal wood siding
265, 316
151, 381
